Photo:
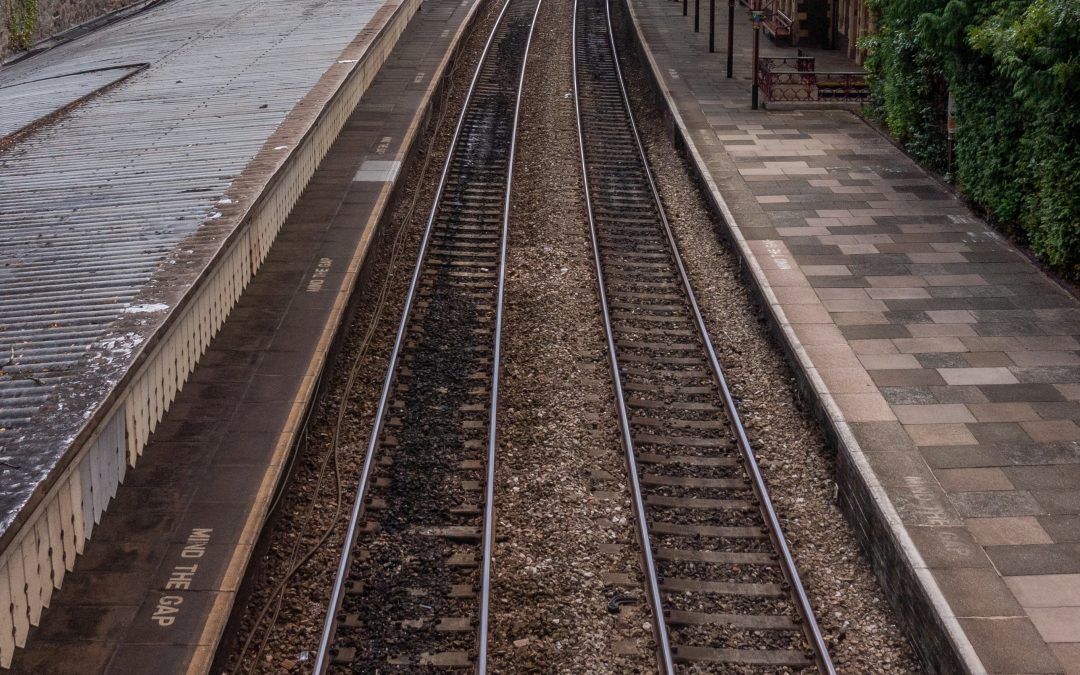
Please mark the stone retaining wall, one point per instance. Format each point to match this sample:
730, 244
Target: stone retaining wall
52, 17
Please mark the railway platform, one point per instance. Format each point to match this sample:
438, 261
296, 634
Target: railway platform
945, 364
175, 163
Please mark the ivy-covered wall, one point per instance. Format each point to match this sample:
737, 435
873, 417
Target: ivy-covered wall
24, 22
21, 23
1013, 67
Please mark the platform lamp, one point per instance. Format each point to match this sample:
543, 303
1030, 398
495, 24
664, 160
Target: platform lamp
712, 26
730, 37
757, 14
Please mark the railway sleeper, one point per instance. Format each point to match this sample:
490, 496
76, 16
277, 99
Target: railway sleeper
652, 404
721, 557
741, 573
707, 472
736, 490
696, 482
621, 316
639, 256
684, 445
679, 423
619, 287
658, 346
705, 516
651, 387
747, 621
709, 531
449, 659
683, 585
760, 657
699, 504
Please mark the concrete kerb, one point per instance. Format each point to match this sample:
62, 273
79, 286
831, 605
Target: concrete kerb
925, 615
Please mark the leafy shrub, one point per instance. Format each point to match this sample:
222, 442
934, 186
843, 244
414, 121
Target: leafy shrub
1013, 67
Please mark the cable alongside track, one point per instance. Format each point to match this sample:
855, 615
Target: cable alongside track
410, 590
722, 585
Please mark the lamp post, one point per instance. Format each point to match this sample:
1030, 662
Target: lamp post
730, 36
950, 130
757, 13
712, 26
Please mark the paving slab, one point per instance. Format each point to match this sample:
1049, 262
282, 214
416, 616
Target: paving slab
156, 582
941, 359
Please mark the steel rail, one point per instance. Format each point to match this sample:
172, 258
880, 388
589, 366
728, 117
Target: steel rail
322, 657
663, 642
489, 483
787, 563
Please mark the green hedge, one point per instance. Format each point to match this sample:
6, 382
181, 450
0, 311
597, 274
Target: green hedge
1013, 67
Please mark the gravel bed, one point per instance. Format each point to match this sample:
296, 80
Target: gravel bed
290, 608
798, 465
561, 497
565, 544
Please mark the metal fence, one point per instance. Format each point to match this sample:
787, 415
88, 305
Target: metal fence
796, 79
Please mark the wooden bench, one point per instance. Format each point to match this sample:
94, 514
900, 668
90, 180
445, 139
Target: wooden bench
842, 88
778, 26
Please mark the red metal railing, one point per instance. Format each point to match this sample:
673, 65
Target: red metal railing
796, 79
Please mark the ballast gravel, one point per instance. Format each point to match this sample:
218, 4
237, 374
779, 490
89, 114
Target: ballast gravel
564, 519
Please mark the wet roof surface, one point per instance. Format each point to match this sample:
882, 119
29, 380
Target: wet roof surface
24, 103
93, 204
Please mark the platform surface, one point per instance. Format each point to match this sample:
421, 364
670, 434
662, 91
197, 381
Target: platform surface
951, 359
200, 490
99, 207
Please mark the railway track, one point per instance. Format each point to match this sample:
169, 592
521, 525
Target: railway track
723, 588
412, 587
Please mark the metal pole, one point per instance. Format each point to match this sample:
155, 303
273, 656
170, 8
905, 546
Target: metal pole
757, 38
730, 37
948, 153
697, 16
950, 130
712, 26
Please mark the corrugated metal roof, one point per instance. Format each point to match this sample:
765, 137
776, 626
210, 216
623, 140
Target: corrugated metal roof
92, 205
24, 103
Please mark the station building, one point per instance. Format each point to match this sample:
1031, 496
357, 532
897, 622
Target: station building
829, 24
